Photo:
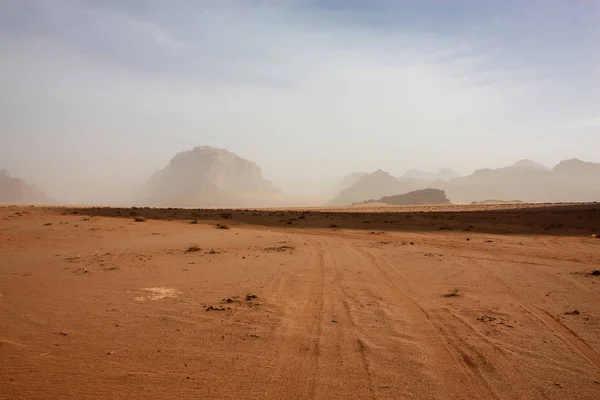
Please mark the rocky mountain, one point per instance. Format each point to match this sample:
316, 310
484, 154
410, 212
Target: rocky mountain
577, 167
414, 198
375, 185
209, 177
443, 174
345, 183
528, 165
570, 180
16, 191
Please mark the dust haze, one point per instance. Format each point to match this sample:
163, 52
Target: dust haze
299, 199
99, 97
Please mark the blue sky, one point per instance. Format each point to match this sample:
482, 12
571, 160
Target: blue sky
100, 94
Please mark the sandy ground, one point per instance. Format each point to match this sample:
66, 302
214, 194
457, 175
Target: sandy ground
472, 302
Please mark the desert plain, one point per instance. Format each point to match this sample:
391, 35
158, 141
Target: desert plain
452, 302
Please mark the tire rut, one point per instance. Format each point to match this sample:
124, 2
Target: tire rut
557, 328
298, 351
442, 345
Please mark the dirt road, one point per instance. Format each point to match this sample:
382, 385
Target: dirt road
96, 305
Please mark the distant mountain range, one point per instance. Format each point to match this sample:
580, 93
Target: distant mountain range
570, 180
526, 180
444, 174
211, 177
16, 191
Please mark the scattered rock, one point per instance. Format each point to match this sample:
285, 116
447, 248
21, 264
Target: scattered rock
574, 312
486, 318
280, 248
595, 272
211, 308
251, 297
594, 236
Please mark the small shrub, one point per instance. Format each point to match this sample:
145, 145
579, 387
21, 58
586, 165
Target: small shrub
222, 226
453, 292
194, 221
138, 218
333, 226
192, 248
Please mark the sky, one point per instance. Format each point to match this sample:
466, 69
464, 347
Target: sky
97, 95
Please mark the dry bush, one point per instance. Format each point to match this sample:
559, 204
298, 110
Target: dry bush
453, 292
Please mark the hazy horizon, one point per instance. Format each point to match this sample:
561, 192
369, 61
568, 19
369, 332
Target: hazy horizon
99, 95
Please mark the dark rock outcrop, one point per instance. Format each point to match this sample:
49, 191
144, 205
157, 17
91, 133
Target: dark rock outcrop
415, 198
375, 185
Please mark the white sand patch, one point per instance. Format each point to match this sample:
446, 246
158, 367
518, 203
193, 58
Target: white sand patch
157, 293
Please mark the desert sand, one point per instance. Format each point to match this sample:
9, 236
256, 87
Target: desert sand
452, 302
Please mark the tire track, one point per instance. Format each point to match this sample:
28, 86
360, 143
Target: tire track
298, 350
424, 328
557, 328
